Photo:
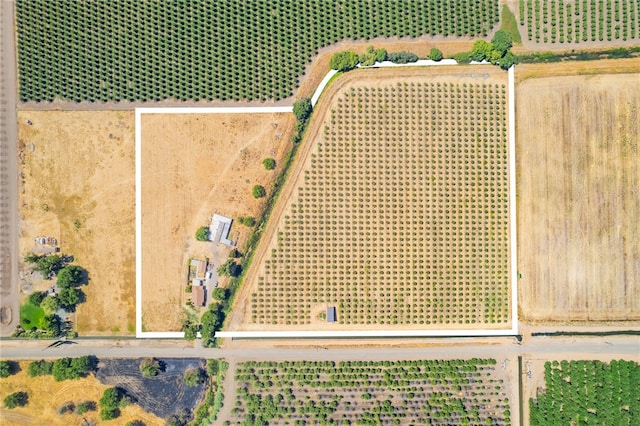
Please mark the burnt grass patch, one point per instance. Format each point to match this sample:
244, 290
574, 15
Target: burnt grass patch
164, 395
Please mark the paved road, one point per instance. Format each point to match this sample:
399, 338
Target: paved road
8, 172
544, 347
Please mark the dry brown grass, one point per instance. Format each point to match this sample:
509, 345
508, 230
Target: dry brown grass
192, 166
578, 200
78, 186
46, 395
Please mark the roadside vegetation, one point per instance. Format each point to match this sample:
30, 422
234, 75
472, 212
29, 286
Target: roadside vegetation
588, 392
207, 411
370, 392
235, 50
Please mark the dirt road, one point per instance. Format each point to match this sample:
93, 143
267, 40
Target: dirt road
9, 309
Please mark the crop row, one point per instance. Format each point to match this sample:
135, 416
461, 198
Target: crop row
588, 392
382, 392
580, 21
207, 50
402, 215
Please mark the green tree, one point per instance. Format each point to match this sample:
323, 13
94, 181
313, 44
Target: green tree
16, 399
247, 220
258, 191
481, 49
39, 368
150, 367
69, 298
302, 109
507, 61
109, 403
135, 423
52, 325
50, 304
7, 368
269, 163
229, 269
435, 54
49, 265
194, 377
234, 253
190, 329
85, 406
202, 234
211, 322
71, 276
343, 61
402, 57
220, 293
36, 297
372, 56
501, 42
73, 368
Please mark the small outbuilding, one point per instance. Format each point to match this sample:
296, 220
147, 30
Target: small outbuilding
219, 229
331, 314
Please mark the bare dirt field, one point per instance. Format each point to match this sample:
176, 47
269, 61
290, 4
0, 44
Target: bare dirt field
46, 395
77, 185
578, 202
192, 166
307, 208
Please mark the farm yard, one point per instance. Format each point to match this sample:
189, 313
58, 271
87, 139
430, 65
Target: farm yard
470, 392
578, 177
76, 182
588, 22
192, 166
46, 396
400, 215
129, 51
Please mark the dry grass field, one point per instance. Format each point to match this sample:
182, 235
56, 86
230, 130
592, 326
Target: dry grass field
578, 201
46, 395
192, 166
397, 211
77, 185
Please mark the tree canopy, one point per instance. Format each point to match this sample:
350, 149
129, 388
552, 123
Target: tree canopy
258, 191
343, 61
71, 276
16, 399
435, 54
302, 109
73, 368
202, 234
269, 163
501, 41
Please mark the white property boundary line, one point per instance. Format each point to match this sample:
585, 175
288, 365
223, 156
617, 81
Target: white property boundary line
325, 334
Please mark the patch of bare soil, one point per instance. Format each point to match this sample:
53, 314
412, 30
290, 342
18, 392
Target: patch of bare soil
194, 165
578, 204
76, 184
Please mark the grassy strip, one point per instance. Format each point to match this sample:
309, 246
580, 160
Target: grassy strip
588, 333
547, 57
207, 411
520, 408
509, 24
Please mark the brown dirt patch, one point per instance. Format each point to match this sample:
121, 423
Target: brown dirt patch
77, 185
604, 66
578, 179
192, 166
46, 395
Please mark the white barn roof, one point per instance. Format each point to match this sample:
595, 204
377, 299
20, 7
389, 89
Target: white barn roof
219, 229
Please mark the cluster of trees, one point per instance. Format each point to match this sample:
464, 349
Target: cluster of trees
211, 322
588, 392
194, 377
239, 50
348, 60
63, 368
79, 408
111, 401
497, 52
16, 399
8, 368
207, 412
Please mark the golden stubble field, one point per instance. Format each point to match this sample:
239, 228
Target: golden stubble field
77, 185
192, 166
578, 200
46, 395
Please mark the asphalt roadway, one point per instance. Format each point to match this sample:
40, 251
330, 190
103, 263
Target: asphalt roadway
625, 347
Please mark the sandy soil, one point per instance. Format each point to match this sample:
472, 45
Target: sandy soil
192, 166
46, 395
578, 179
77, 185
242, 311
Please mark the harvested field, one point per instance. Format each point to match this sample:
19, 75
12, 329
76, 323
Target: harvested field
192, 166
46, 395
77, 185
164, 395
397, 211
578, 202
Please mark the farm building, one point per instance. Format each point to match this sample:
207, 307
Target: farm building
199, 267
331, 314
219, 229
197, 295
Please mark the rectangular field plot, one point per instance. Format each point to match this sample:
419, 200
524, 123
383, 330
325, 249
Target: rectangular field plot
192, 165
578, 204
401, 216
372, 392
